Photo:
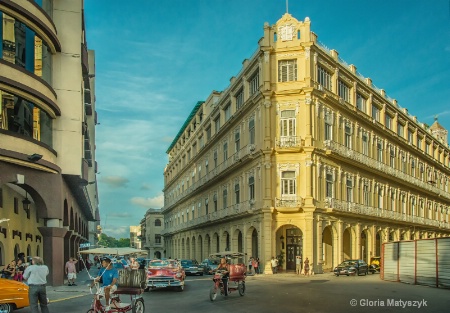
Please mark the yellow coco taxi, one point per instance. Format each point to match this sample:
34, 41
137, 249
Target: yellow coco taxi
13, 295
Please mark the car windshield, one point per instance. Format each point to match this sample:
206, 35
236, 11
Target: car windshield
157, 263
349, 263
187, 263
211, 262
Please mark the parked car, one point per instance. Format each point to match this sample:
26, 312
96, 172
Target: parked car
192, 267
13, 295
210, 266
165, 273
351, 267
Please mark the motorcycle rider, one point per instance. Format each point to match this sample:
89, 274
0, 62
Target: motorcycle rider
224, 267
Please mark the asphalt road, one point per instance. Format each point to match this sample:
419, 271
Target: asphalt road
283, 293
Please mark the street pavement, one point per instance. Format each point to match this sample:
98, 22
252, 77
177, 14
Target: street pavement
283, 292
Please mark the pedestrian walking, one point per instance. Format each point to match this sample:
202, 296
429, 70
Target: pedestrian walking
71, 271
306, 267
274, 264
255, 265
36, 276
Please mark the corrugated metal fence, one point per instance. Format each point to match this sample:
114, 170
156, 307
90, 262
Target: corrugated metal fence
423, 262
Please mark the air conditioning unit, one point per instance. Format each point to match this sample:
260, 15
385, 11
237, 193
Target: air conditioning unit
320, 87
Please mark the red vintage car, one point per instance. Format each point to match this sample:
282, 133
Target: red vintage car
165, 273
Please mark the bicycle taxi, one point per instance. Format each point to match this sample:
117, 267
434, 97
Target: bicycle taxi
132, 282
236, 275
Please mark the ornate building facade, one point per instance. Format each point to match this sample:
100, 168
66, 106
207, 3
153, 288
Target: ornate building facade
302, 155
48, 188
151, 234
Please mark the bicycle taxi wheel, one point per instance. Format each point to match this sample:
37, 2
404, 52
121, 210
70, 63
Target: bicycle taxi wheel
138, 306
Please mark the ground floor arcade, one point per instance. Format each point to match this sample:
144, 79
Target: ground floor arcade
325, 239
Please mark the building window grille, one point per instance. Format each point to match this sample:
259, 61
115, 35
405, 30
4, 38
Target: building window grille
287, 70
215, 202
157, 239
157, 222
217, 124
392, 157
380, 198
288, 183
343, 91
329, 185
410, 136
206, 206
361, 103
375, 113
225, 198
237, 193
349, 190
254, 83
251, 129
287, 123
215, 158
227, 112
366, 194
251, 187
239, 99
324, 77
365, 144
380, 151
237, 141
388, 121
401, 130
348, 136
225, 151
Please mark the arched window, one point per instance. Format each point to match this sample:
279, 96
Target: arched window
157, 222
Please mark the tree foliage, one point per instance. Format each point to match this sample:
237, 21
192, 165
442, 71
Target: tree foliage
111, 242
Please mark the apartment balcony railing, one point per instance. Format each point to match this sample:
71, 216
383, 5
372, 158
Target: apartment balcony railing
244, 153
288, 142
289, 202
360, 209
379, 166
233, 211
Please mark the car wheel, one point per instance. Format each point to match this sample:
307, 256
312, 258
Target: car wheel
366, 272
201, 274
213, 293
347, 274
138, 306
337, 275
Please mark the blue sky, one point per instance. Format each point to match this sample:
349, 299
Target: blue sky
156, 59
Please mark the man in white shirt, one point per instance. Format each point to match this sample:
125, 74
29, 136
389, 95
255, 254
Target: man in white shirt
36, 276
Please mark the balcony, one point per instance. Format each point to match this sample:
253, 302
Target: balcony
389, 216
353, 155
288, 203
231, 212
288, 142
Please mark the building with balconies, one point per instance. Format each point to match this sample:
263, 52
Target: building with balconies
302, 155
48, 188
151, 234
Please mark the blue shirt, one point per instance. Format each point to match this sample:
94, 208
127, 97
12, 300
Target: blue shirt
108, 276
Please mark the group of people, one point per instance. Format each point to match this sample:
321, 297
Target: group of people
253, 265
298, 266
15, 269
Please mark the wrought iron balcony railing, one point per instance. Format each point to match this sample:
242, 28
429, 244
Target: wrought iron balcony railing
361, 209
288, 142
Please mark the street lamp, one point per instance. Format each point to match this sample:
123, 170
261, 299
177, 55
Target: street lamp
26, 203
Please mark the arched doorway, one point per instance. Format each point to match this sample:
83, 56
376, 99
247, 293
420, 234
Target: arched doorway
327, 248
347, 244
16, 250
158, 255
194, 250
294, 245
378, 243
188, 249
364, 245
200, 247
254, 243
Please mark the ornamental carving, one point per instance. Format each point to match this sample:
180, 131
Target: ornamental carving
286, 32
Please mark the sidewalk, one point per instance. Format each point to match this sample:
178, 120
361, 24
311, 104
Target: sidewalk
59, 293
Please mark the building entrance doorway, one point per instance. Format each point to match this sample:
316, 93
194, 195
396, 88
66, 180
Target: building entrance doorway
294, 246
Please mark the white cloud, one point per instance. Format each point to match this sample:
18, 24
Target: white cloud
117, 231
156, 202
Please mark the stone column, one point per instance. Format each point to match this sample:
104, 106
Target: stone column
319, 253
358, 241
53, 258
266, 240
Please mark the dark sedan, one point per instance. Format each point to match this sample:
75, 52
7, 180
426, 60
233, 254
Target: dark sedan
191, 267
351, 267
